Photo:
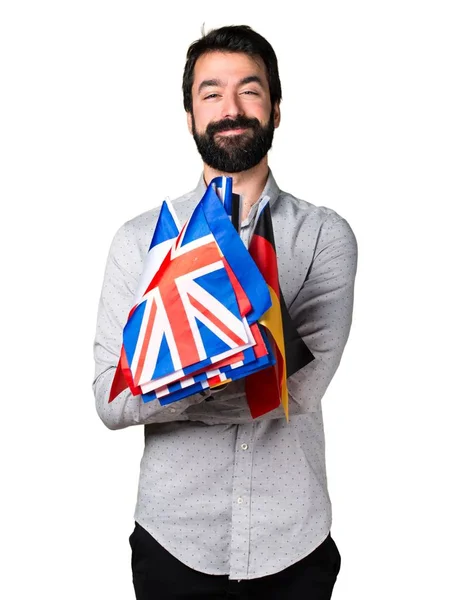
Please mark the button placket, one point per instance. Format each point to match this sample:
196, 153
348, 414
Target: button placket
242, 480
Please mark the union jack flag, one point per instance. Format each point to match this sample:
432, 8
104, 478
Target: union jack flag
181, 322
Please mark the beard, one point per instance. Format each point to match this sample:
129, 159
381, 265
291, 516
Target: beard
234, 153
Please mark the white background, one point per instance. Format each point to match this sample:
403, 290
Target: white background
93, 133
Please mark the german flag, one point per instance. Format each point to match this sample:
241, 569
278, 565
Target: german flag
266, 389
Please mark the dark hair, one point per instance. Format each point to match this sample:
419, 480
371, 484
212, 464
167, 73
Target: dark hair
233, 38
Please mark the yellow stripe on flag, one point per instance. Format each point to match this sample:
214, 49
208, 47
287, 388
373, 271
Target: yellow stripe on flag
273, 321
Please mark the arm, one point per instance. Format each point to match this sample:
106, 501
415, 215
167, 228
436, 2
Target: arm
115, 303
322, 313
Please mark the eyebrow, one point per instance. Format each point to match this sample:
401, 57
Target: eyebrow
218, 83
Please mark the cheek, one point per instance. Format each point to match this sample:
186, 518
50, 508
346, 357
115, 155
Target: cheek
261, 112
268, 110
203, 116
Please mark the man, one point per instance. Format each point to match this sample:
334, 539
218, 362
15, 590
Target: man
228, 504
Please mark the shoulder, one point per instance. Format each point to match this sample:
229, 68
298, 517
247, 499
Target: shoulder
141, 227
309, 221
131, 241
288, 205
307, 236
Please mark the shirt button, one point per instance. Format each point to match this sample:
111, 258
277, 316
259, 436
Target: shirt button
240, 500
244, 446
172, 410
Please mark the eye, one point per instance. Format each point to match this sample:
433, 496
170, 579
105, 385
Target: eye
250, 93
213, 95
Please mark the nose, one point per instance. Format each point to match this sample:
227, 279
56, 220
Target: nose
231, 106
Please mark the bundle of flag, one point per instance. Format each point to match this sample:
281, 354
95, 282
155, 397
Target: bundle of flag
208, 311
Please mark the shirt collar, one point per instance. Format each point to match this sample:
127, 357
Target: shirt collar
271, 189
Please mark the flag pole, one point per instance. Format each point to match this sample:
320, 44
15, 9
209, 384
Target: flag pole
236, 212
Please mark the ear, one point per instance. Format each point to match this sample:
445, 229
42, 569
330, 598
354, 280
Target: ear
189, 121
276, 114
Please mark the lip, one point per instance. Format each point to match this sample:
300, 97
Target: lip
229, 132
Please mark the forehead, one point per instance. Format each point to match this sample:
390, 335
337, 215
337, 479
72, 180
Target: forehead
228, 67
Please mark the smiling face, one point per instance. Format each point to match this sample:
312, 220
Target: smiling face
232, 119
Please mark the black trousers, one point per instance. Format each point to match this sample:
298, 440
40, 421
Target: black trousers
157, 575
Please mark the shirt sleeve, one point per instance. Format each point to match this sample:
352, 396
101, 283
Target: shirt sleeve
322, 313
115, 303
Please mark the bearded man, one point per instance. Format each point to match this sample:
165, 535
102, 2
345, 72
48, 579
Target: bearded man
230, 506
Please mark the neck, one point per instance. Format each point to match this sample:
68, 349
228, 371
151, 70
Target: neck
248, 184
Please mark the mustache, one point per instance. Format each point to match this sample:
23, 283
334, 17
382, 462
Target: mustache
226, 124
